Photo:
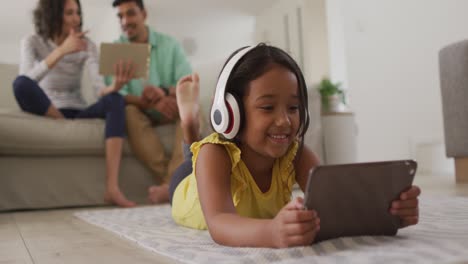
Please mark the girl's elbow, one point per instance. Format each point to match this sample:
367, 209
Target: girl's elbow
219, 237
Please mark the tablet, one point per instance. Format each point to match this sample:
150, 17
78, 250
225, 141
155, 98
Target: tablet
112, 53
354, 199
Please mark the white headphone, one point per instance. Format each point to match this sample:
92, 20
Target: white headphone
225, 112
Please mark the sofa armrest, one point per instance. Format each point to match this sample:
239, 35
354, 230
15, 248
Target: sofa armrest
453, 64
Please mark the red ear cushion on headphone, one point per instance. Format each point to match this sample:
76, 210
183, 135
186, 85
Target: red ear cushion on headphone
234, 116
231, 118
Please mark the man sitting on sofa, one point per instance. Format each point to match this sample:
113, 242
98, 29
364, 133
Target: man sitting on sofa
152, 103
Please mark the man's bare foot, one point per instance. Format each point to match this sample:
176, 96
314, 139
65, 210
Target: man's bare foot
158, 194
187, 92
118, 198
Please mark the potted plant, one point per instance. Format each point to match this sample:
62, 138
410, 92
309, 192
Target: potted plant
333, 99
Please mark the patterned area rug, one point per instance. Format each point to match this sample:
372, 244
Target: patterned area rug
440, 237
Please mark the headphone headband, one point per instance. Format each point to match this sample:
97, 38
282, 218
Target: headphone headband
226, 121
224, 76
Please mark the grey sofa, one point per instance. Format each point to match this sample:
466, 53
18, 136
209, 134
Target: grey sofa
47, 163
453, 66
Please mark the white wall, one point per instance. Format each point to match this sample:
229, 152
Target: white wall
214, 37
316, 41
336, 44
391, 55
102, 23
299, 27
12, 33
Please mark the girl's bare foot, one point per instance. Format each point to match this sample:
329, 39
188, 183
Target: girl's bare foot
187, 92
118, 198
158, 194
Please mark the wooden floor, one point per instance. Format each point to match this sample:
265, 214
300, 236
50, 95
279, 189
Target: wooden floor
56, 236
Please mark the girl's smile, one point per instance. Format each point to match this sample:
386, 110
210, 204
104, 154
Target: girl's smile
280, 138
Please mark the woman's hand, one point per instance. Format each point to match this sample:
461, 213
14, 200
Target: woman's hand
294, 226
74, 42
407, 207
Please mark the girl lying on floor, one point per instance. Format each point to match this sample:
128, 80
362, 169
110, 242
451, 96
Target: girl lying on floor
237, 183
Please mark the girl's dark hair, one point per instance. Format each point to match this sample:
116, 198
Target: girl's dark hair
48, 17
255, 63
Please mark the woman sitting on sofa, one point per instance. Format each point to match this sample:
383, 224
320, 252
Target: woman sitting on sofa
49, 84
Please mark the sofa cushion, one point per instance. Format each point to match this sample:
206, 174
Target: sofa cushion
27, 134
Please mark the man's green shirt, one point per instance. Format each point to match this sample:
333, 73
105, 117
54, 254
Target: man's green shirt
168, 64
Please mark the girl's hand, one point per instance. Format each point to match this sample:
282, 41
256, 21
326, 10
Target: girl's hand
294, 226
74, 42
407, 207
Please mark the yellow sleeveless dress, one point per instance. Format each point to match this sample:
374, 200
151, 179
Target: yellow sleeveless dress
247, 197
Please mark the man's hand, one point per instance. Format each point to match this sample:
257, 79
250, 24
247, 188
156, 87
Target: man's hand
168, 107
155, 98
151, 95
74, 42
407, 207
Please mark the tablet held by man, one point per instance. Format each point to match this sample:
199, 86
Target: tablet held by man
136, 53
